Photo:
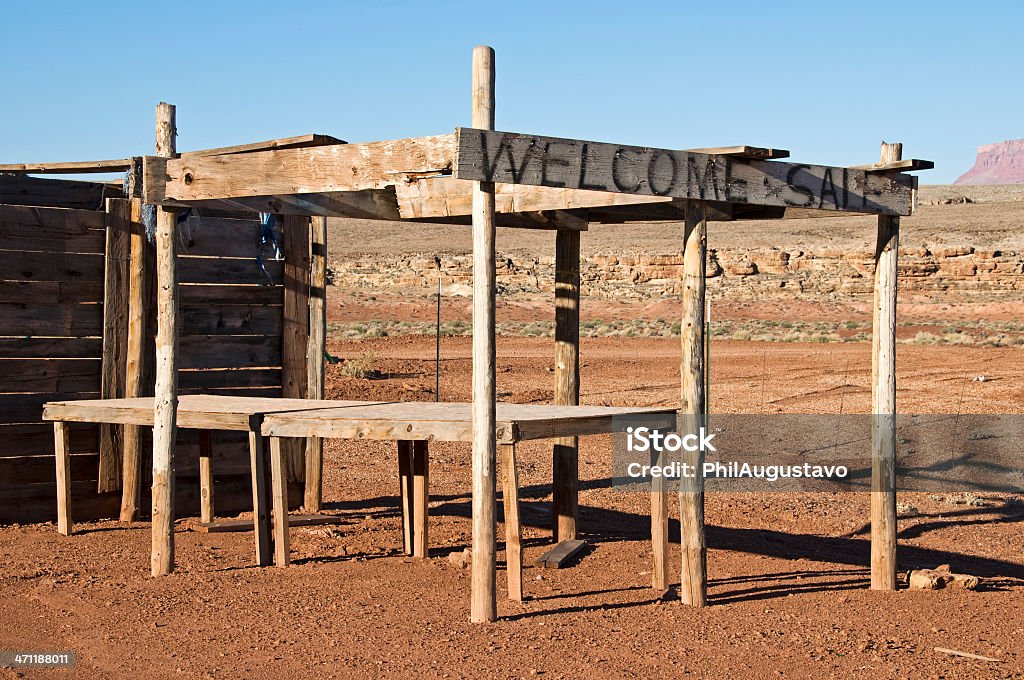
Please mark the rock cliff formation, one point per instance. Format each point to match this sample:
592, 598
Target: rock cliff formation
999, 163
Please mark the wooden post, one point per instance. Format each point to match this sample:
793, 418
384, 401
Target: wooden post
115, 336
137, 362
295, 332
205, 476
260, 513
883, 397
63, 459
279, 492
513, 528
565, 460
483, 599
315, 357
166, 390
420, 498
405, 492
693, 589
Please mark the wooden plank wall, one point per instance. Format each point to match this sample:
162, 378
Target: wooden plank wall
51, 326
52, 274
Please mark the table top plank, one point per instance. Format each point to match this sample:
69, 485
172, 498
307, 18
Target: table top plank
447, 421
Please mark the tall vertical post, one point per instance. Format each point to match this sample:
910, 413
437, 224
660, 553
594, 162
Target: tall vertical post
565, 461
483, 599
315, 357
693, 589
883, 397
166, 389
138, 363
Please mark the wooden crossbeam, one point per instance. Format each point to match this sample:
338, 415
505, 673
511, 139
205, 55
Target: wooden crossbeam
908, 165
743, 152
301, 141
67, 168
336, 167
507, 157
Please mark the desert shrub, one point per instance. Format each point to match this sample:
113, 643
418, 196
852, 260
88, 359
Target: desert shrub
362, 367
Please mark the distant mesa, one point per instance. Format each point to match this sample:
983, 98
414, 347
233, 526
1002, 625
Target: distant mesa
999, 163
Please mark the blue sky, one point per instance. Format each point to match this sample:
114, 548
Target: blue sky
827, 80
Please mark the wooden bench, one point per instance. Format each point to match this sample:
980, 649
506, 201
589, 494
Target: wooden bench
205, 413
413, 425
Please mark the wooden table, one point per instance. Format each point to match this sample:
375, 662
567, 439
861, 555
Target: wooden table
199, 412
413, 425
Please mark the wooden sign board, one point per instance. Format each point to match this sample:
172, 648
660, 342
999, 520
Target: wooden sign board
508, 157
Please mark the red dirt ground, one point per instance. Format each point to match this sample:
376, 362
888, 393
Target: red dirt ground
788, 590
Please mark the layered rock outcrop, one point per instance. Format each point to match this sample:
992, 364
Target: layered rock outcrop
999, 163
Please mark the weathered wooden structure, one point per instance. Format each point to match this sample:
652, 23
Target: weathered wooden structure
490, 179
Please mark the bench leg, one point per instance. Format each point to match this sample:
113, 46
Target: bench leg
513, 528
420, 497
405, 488
63, 459
279, 488
260, 516
205, 476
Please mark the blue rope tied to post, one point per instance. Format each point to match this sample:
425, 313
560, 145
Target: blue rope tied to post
267, 243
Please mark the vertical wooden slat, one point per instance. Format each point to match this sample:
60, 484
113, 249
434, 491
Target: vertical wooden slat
883, 397
63, 461
513, 528
115, 335
693, 588
279, 492
420, 498
483, 600
315, 349
205, 476
260, 512
137, 363
295, 334
166, 389
565, 461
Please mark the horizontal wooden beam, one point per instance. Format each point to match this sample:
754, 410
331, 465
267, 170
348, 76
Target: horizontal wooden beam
906, 165
369, 204
743, 152
337, 167
302, 141
67, 168
514, 158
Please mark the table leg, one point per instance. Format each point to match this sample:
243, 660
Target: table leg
260, 516
405, 487
420, 497
279, 488
205, 476
513, 528
63, 461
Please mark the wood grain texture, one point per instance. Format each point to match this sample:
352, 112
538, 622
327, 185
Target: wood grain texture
279, 493
55, 193
883, 397
260, 499
295, 334
405, 492
206, 475
565, 453
486, 155
298, 141
513, 527
316, 346
339, 167
52, 230
68, 167
483, 598
138, 364
693, 588
166, 370
63, 462
420, 499
115, 336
